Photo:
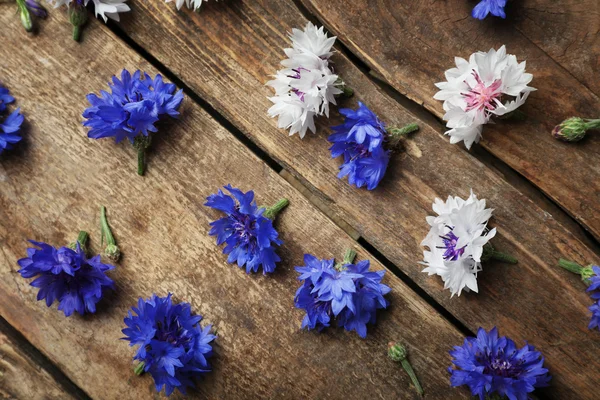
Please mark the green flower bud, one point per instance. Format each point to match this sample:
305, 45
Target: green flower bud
570, 130
112, 252
397, 352
25, 16
78, 16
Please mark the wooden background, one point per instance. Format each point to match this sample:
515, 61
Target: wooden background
546, 195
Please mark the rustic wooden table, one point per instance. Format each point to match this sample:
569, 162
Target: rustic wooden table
546, 195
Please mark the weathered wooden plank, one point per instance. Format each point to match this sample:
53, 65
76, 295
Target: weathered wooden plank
22, 378
228, 51
54, 185
567, 31
415, 43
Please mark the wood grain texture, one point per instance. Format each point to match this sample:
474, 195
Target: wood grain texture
415, 43
54, 185
22, 378
568, 31
226, 53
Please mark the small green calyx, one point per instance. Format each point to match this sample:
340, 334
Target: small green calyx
25, 15
82, 239
139, 369
397, 352
349, 257
271, 212
78, 16
346, 91
112, 250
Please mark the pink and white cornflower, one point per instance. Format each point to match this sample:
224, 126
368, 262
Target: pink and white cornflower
191, 4
307, 85
489, 84
456, 241
104, 8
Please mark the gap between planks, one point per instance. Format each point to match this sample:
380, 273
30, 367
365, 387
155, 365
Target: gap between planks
312, 194
494, 163
40, 360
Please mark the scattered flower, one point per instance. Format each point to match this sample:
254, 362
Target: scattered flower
173, 347
307, 84
132, 108
492, 365
67, 276
78, 13
595, 320
11, 125
475, 89
112, 251
574, 129
247, 230
361, 139
485, 7
458, 242
348, 292
191, 4
399, 354
590, 275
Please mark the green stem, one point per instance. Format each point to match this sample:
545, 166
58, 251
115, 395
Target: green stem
25, 15
271, 212
570, 266
82, 239
592, 124
105, 231
349, 257
141, 153
503, 257
139, 369
489, 253
413, 377
76, 32
404, 131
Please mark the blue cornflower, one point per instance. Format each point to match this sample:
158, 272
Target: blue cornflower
593, 280
489, 364
131, 110
348, 292
67, 276
485, 7
9, 128
5, 98
595, 310
246, 230
361, 139
173, 347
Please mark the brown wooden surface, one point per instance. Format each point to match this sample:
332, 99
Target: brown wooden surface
219, 62
415, 42
224, 55
22, 378
162, 228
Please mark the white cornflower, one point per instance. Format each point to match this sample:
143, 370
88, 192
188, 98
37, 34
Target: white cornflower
456, 240
192, 4
104, 8
307, 85
310, 41
474, 91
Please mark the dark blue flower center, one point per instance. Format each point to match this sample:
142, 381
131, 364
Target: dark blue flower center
172, 332
243, 227
500, 366
450, 241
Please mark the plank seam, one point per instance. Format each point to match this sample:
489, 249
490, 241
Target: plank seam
25, 346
